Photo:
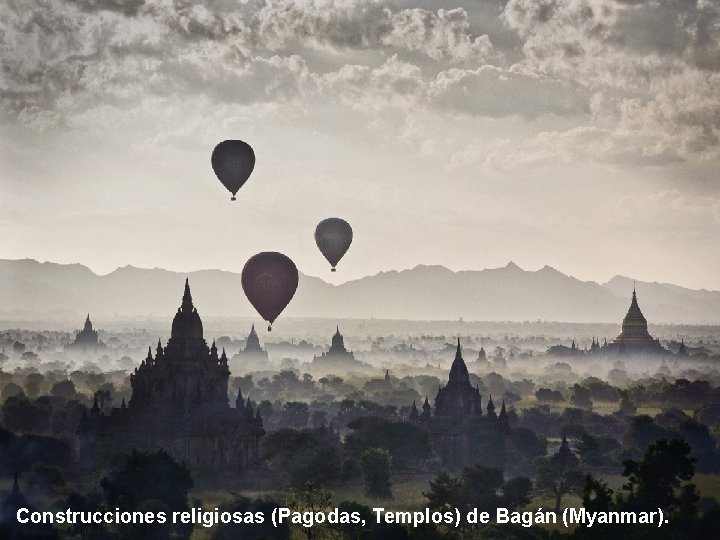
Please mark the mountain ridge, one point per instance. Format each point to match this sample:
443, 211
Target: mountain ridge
425, 292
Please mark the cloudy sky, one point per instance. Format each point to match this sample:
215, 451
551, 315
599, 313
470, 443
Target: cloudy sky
582, 134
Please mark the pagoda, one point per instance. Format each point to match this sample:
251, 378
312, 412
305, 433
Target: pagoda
634, 337
86, 339
179, 403
337, 357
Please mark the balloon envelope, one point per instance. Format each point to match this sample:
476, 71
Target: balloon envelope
233, 162
333, 236
269, 280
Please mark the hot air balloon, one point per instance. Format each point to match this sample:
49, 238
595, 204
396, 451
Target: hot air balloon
233, 162
269, 280
333, 236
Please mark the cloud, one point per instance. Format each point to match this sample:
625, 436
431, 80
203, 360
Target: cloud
496, 92
441, 35
638, 76
653, 62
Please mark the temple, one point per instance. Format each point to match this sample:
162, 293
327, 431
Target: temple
459, 432
337, 357
634, 337
179, 403
86, 339
458, 397
252, 357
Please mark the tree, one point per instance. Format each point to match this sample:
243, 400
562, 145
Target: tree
661, 479
12, 390
33, 384
104, 395
375, 463
581, 397
478, 487
445, 493
546, 395
597, 496
644, 432
296, 413
528, 444
559, 476
407, 443
303, 456
589, 450
310, 498
516, 492
64, 389
150, 481
558, 481
22, 414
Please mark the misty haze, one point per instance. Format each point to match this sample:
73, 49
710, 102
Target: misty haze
319, 258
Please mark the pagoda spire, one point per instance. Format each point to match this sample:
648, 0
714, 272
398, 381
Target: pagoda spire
458, 370
187, 303
15, 499
414, 411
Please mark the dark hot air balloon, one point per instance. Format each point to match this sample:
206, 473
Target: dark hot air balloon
333, 236
269, 280
233, 162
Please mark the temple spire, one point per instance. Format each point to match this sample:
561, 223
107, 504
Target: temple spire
187, 303
458, 370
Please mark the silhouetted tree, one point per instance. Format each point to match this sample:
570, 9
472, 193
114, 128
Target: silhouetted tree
478, 487
407, 443
310, 498
303, 456
375, 463
151, 481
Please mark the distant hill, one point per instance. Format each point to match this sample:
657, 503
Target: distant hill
28, 287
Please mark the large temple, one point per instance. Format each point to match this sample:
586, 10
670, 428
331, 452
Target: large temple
634, 337
459, 432
86, 339
179, 403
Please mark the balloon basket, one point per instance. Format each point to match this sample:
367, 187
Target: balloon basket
332, 269
269, 328
233, 199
